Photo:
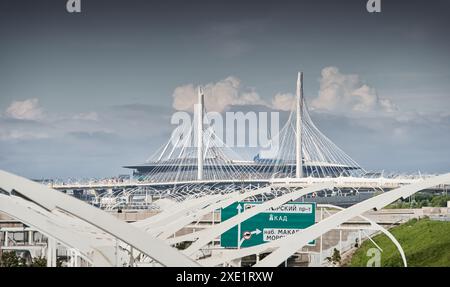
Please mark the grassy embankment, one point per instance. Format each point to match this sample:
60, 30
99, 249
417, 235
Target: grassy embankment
425, 242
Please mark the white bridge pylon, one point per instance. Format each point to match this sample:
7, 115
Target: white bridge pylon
197, 152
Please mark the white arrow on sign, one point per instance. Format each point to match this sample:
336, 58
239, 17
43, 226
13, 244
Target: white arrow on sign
247, 235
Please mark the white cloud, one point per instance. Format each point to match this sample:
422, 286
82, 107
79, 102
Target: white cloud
283, 102
339, 93
184, 97
346, 92
25, 121
91, 116
387, 105
6, 135
25, 110
218, 96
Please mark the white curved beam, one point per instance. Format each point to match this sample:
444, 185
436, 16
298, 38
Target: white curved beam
380, 228
206, 236
175, 211
46, 225
182, 211
397, 244
51, 199
224, 202
290, 244
270, 246
236, 254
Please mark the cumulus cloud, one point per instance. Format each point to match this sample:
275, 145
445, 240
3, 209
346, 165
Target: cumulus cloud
283, 102
219, 96
339, 93
25, 110
90, 116
8, 135
346, 92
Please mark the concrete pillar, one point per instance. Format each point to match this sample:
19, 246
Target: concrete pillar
321, 240
116, 253
131, 256
6, 239
51, 252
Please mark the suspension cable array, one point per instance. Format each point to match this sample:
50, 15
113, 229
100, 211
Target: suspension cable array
196, 153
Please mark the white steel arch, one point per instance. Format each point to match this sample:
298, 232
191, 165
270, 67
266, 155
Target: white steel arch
380, 228
51, 200
225, 201
208, 235
176, 211
47, 226
290, 244
266, 247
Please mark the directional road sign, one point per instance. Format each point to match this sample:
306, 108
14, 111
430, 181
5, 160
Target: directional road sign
266, 226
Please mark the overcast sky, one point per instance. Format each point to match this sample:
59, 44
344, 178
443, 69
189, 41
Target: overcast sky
83, 94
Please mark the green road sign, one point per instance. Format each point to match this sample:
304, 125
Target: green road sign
266, 226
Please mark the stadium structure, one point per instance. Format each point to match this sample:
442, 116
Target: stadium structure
304, 151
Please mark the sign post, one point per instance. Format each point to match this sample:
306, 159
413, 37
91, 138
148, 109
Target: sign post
239, 209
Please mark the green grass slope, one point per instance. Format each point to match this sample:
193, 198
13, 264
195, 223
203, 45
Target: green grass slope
425, 242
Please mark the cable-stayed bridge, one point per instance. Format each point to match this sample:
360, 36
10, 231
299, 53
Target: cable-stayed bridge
301, 151
196, 161
182, 183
